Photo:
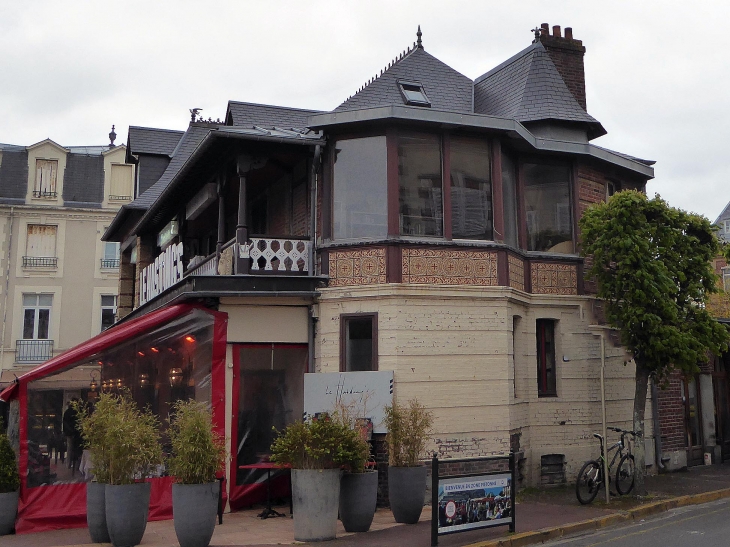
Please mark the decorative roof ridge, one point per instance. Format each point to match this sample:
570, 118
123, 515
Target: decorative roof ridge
410, 50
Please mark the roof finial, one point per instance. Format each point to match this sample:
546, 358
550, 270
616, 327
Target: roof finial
536, 30
112, 136
419, 44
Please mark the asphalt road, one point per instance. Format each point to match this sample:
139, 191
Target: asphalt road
707, 525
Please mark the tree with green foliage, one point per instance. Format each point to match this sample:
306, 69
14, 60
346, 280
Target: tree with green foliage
652, 263
9, 478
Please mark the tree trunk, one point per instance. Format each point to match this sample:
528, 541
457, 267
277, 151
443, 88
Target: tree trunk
642, 382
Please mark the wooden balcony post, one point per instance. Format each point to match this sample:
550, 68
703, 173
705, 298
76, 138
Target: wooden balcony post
221, 221
243, 166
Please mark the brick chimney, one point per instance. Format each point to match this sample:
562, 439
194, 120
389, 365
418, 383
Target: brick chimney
567, 55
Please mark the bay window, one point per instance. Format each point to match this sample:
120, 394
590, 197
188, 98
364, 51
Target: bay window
471, 189
360, 188
419, 185
547, 208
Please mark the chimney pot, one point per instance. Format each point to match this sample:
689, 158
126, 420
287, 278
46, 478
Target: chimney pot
545, 29
568, 33
556, 31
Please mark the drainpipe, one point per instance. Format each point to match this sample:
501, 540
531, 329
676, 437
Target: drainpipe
657, 431
7, 285
313, 208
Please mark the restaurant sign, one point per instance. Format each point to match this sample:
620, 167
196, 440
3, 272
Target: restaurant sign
163, 273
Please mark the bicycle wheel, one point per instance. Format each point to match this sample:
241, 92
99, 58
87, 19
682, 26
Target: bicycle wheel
589, 482
625, 474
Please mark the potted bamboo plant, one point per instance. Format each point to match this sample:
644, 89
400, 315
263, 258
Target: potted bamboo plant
409, 427
198, 453
315, 449
9, 485
359, 484
125, 448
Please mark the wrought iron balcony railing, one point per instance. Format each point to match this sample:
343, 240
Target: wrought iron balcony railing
109, 263
40, 262
33, 351
48, 194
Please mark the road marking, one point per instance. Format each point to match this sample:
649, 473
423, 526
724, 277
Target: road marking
666, 521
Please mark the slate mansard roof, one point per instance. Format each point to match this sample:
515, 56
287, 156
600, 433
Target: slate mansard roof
446, 88
149, 140
529, 88
262, 115
83, 178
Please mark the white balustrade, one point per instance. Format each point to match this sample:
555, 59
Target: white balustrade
281, 255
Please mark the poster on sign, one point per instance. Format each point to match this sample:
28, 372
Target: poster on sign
465, 503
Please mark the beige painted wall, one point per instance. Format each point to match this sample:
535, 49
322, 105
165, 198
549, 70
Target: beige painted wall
75, 283
452, 348
266, 323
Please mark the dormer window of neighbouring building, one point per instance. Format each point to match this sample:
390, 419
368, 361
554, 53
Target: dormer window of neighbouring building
46, 174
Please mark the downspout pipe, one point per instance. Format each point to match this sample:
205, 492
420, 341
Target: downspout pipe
313, 208
657, 430
312, 261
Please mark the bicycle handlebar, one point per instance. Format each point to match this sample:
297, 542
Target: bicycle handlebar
624, 431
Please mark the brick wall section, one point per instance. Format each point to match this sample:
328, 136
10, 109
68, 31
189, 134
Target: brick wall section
567, 56
671, 415
300, 211
591, 189
127, 282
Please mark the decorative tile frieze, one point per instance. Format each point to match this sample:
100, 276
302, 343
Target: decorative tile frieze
357, 267
516, 272
448, 267
554, 278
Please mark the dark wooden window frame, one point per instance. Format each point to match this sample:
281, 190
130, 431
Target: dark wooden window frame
344, 320
543, 387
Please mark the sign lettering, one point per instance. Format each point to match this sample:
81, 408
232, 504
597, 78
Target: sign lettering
163, 273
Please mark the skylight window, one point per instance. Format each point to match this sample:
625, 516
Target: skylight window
414, 94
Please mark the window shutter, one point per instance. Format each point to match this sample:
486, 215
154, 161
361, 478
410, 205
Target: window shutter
41, 241
45, 177
121, 182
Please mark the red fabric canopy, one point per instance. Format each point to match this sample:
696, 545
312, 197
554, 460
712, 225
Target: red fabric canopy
64, 505
100, 342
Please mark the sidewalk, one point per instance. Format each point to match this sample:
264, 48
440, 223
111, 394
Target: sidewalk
541, 514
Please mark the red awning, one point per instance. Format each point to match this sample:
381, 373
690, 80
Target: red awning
100, 342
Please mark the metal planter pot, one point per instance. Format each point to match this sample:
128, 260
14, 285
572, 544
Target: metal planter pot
194, 509
8, 510
316, 495
127, 507
96, 512
407, 492
358, 496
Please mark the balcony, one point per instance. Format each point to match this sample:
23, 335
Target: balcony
40, 262
109, 263
45, 194
267, 255
33, 351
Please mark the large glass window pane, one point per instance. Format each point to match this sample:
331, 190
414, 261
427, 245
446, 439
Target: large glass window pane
360, 188
159, 367
359, 337
44, 316
509, 200
271, 395
471, 189
547, 208
28, 324
419, 177
545, 335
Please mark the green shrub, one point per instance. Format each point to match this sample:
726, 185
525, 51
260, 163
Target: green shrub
9, 478
198, 452
321, 443
409, 427
123, 440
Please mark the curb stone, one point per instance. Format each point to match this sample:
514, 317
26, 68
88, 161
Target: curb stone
546, 534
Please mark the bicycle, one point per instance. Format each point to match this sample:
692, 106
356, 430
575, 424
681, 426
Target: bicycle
590, 477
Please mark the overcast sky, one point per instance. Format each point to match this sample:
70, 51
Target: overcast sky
657, 74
